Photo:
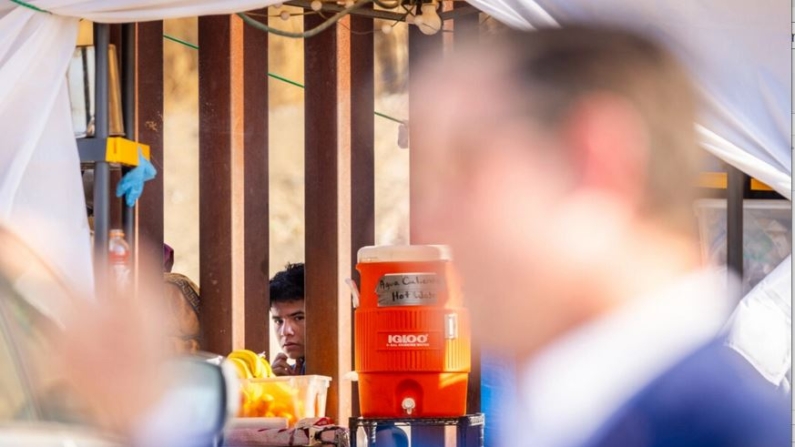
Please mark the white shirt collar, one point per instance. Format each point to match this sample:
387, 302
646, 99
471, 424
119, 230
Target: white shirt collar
572, 387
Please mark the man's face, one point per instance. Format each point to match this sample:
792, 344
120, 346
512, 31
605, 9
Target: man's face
288, 319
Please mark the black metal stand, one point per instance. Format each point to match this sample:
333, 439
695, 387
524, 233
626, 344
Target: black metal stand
735, 192
128, 105
101, 168
425, 432
93, 149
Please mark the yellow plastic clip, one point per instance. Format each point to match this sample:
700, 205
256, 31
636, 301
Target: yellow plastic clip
714, 180
719, 180
124, 151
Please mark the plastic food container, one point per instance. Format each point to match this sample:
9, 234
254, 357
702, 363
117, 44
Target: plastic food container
290, 397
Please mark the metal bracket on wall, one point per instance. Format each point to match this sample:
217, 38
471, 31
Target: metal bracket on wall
115, 150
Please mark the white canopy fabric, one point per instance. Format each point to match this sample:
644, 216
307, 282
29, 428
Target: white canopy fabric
41, 192
738, 53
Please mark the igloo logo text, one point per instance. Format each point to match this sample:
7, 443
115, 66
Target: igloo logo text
407, 339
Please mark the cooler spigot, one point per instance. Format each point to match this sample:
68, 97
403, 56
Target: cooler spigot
409, 405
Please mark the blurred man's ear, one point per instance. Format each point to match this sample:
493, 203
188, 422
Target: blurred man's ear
609, 146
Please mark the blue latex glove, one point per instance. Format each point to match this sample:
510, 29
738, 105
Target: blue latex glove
132, 184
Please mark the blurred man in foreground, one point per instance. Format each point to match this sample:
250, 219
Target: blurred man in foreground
559, 165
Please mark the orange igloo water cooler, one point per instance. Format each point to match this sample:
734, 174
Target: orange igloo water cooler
412, 334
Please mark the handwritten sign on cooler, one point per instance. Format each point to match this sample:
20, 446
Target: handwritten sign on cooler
409, 289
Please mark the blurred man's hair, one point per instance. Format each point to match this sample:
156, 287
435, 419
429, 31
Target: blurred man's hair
557, 67
287, 285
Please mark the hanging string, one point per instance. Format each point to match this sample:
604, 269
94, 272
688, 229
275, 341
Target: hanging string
389, 118
275, 76
282, 15
187, 44
29, 6
288, 81
306, 34
390, 23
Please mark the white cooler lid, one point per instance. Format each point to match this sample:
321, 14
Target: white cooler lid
404, 253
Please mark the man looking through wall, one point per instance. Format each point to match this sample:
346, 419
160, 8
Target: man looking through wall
288, 316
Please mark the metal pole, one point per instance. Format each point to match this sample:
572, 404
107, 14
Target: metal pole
255, 184
149, 130
327, 208
362, 129
101, 168
128, 104
734, 220
221, 302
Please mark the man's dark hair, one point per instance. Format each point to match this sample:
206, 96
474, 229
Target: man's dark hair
287, 285
559, 66
549, 72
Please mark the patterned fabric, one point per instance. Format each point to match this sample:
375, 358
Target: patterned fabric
184, 304
307, 432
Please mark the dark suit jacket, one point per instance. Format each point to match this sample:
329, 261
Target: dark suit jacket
713, 398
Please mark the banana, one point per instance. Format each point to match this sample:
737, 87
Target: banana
257, 365
251, 360
241, 367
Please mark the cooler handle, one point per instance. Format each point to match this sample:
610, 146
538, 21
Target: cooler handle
354, 292
451, 326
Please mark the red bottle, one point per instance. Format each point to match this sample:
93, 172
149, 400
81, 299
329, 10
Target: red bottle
119, 258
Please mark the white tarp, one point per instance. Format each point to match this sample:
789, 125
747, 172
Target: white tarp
41, 193
759, 328
738, 52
